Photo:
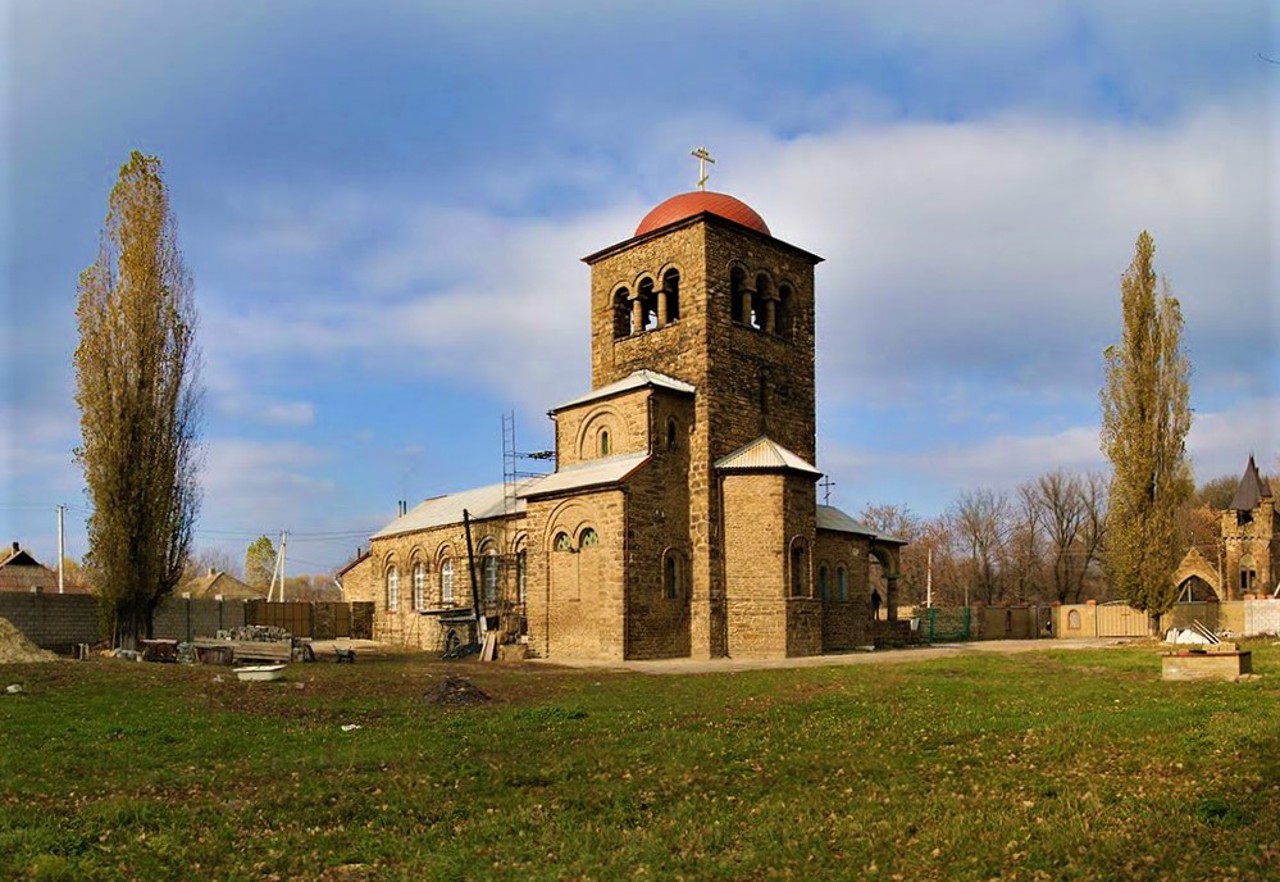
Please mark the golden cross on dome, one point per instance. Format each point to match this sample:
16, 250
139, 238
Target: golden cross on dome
703, 158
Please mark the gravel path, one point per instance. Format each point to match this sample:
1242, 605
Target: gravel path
886, 656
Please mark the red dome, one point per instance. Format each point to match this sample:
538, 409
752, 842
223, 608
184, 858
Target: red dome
697, 201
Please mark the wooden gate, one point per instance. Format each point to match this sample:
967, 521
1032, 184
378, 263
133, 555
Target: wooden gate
1122, 620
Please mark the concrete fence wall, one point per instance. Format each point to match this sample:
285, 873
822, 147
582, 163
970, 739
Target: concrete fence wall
52, 621
60, 621
1249, 618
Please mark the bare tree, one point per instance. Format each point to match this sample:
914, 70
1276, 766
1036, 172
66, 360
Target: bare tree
980, 522
139, 398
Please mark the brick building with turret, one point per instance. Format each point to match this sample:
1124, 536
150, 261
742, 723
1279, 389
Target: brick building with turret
682, 517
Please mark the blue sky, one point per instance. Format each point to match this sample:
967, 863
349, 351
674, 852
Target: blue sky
384, 206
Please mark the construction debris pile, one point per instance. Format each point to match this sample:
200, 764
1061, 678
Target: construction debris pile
260, 633
16, 649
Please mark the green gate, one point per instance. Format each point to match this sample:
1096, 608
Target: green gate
945, 624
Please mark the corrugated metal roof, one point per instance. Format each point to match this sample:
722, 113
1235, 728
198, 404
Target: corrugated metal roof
482, 502
636, 380
609, 470
764, 453
832, 518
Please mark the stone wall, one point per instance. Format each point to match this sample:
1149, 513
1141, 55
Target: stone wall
625, 417
1252, 534
431, 549
755, 565
576, 594
658, 529
358, 584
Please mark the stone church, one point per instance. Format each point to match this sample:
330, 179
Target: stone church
682, 517
1248, 551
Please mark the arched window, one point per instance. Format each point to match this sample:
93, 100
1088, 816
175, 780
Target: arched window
589, 538
823, 582
446, 581
842, 584
419, 585
393, 588
1073, 620
671, 575
563, 542
648, 306
758, 299
672, 434
489, 575
621, 313
522, 575
605, 449
785, 316
671, 294
737, 285
799, 569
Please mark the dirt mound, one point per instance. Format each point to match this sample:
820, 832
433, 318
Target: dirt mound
15, 648
455, 691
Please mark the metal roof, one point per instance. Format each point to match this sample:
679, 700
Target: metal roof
832, 518
764, 453
480, 503
490, 502
636, 380
609, 470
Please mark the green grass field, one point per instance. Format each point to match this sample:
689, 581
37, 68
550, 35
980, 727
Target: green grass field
1044, 765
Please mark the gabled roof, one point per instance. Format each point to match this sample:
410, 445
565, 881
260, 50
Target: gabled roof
637, 380
480, 503
19, 557
833, 519
19, 571
1252, 488
596, 472
764, 454
217, 583
361, 556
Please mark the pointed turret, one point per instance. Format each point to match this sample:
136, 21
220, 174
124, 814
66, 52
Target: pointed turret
1252, 489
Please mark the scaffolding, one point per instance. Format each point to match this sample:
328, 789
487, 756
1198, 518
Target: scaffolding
512, 458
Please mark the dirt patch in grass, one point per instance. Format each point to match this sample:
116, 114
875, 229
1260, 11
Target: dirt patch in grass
455, 692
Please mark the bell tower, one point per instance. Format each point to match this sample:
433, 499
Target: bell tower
703, 292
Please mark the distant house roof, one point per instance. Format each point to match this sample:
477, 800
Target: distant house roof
593, 473
19, 571
833, 519
1251, 490
764, 454
217, 582
636, 380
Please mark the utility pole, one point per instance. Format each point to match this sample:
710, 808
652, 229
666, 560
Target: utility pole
284, 544
928, 581
62, 550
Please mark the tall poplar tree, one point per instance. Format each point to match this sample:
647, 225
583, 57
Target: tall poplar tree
1146, 414
137, 387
